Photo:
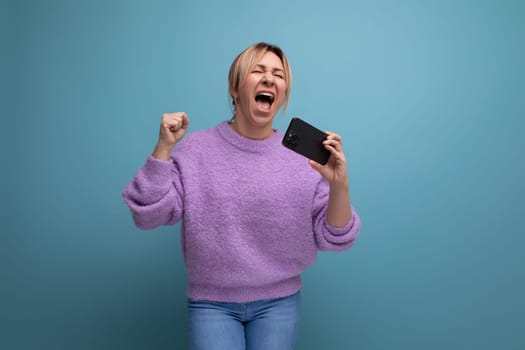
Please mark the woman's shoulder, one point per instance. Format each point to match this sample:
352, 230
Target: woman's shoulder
197, 141
198, 136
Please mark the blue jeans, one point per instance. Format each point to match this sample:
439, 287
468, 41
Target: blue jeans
259, 325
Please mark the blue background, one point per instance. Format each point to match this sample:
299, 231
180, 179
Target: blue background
428, 95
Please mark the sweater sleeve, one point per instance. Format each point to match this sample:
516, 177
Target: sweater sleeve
328, 237
155, 194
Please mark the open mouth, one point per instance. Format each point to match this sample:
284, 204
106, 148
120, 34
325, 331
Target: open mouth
264, 100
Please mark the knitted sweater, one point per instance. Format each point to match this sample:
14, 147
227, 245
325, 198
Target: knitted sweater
253, 213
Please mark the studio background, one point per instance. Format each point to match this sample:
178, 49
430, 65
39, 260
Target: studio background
429, 97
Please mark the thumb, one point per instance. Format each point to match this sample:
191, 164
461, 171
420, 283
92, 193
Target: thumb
315, 165
185, 121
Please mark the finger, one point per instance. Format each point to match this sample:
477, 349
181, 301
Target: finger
172, 116
170, 123
332, 150
338, 154
333, 140
173, 121
315, 165
179, 121
334, 136
334, 143
173, 128
185, 121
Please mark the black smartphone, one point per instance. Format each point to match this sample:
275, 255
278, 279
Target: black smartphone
306, 140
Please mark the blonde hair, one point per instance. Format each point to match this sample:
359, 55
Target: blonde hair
247, 59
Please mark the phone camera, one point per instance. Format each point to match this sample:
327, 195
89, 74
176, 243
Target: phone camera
291, 138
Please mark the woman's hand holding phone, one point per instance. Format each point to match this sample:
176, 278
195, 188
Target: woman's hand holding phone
335, 170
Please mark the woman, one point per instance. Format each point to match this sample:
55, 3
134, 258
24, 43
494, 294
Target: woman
253, 213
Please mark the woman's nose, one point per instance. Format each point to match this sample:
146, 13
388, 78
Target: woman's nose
268, 79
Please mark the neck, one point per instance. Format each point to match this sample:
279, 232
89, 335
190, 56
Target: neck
251, 131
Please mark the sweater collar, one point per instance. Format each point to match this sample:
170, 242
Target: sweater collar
246, 144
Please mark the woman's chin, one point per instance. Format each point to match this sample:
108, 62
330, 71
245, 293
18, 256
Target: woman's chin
263, 114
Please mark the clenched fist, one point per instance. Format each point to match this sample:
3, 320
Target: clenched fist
172, 129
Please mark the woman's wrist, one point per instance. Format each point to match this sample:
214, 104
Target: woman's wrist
162, 152
339, 186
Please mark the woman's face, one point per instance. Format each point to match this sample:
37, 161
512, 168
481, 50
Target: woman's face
263, 92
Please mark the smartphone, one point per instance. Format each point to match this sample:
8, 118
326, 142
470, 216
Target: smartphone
306, 140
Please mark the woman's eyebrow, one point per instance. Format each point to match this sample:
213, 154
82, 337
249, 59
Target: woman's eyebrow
264, 67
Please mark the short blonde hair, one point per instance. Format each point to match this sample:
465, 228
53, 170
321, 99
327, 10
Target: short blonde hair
247, 59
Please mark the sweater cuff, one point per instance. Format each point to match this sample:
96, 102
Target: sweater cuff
340, 231
156, 170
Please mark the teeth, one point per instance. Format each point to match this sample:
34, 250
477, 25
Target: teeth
267, 94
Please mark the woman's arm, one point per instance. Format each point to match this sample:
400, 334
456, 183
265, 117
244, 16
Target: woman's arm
339, 212
155, 194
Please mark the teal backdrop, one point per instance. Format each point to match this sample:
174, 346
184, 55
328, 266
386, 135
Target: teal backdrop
428, 95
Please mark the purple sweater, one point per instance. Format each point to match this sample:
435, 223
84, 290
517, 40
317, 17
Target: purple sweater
253, 213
